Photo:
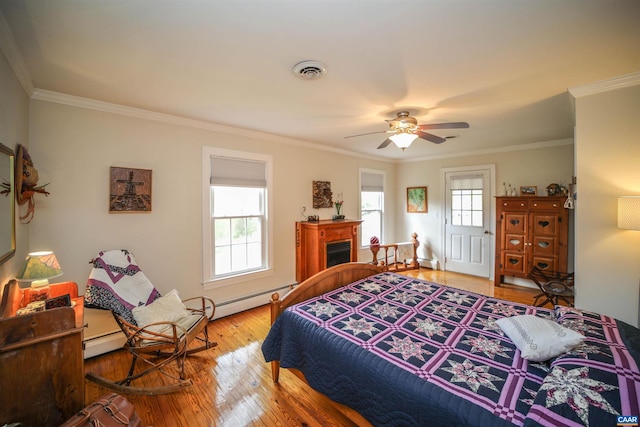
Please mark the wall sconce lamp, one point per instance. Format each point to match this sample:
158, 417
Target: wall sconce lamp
38, 268
629, 212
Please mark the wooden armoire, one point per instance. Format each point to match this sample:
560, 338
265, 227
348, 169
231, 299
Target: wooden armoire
530, 231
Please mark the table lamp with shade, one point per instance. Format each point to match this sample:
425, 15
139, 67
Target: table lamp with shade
38, 268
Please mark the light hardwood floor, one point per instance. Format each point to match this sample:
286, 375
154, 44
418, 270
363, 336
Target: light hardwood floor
232, 382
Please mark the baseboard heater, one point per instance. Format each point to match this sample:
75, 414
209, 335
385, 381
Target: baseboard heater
226, 308
102, 334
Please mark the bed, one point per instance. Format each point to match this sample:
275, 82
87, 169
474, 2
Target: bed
405, 352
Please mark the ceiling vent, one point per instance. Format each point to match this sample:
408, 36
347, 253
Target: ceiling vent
309, 70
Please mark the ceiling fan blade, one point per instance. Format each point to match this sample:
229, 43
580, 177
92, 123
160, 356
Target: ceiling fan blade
430, 137
368, 133
384, 143
453, 125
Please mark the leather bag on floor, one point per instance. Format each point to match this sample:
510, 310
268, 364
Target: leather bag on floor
109, 410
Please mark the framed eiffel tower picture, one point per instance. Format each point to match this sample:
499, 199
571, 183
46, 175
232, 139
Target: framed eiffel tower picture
129, 190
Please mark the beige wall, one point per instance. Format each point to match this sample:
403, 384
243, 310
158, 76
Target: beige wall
551, 162
74, 149
14, 130
608, 166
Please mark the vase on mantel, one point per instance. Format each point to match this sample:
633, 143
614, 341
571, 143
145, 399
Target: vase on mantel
337, 216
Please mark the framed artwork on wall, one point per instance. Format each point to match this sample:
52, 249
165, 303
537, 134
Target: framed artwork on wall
129, 190
417, 199
322, 195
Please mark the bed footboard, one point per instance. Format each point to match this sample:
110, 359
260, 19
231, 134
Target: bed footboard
318, 284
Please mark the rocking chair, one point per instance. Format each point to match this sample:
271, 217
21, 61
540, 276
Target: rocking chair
159, 329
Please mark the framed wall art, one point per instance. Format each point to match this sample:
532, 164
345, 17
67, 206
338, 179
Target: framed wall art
322, 195
129, 190
417, 199
529, 190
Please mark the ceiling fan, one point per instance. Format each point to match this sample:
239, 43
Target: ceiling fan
405, 130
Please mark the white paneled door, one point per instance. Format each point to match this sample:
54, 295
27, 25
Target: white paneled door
468, 236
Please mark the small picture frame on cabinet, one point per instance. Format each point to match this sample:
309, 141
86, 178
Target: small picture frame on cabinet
529, 190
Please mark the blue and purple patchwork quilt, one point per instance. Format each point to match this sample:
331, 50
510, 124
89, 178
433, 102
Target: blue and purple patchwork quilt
405, 352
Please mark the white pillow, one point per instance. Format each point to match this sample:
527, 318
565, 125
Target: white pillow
167, 308
539, 339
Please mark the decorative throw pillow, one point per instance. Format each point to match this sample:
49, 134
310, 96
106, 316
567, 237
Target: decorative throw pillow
167, 308
538, 339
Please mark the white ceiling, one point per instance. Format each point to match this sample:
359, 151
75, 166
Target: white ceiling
503, 66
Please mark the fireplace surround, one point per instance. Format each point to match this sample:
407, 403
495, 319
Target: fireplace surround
324, 243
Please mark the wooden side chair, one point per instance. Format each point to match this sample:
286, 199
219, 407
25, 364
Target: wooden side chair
554, 286
159, 329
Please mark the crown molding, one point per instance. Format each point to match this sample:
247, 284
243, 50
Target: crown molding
506, 149
606, 85
92, 104
14, 57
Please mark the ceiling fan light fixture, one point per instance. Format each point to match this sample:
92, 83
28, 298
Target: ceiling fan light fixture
403, 140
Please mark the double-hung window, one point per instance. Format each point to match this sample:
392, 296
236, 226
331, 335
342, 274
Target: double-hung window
371, 205
236, 225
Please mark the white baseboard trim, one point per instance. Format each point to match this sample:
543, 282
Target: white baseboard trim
228, 308
103, 344
428, 263
526, 283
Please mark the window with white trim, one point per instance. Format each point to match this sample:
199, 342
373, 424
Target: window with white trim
236, 224
466, 201
371, 205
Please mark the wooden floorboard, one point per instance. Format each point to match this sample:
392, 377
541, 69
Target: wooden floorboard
232, 383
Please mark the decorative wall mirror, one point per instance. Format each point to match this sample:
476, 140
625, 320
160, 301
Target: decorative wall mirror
7, 204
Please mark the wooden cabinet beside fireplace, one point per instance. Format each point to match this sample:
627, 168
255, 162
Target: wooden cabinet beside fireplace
313, 238
530, 231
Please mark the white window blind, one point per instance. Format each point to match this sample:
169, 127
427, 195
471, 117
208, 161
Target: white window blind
371, 182
231, 172
466, 183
